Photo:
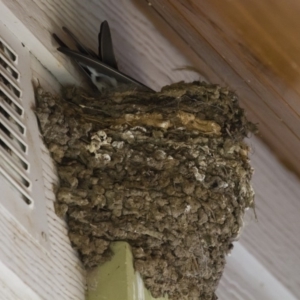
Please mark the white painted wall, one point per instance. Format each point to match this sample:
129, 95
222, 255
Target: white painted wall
266, 262
30, 268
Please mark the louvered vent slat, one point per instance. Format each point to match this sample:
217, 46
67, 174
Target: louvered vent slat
10, 92
8, 75
17, 147
18, 166
16, 131
12, 115
9, 98
21, 181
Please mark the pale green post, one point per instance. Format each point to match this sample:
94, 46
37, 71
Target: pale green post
116, 279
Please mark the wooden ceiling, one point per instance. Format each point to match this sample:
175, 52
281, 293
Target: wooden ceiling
252, 46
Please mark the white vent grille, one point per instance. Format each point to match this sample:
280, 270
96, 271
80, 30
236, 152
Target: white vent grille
21, 183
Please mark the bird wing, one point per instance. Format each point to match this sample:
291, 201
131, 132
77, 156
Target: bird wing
102, 67
106, 50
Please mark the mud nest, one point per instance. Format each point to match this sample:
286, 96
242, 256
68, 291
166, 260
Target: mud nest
167, 172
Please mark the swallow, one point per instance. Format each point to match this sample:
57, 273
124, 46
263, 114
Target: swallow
101, 68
